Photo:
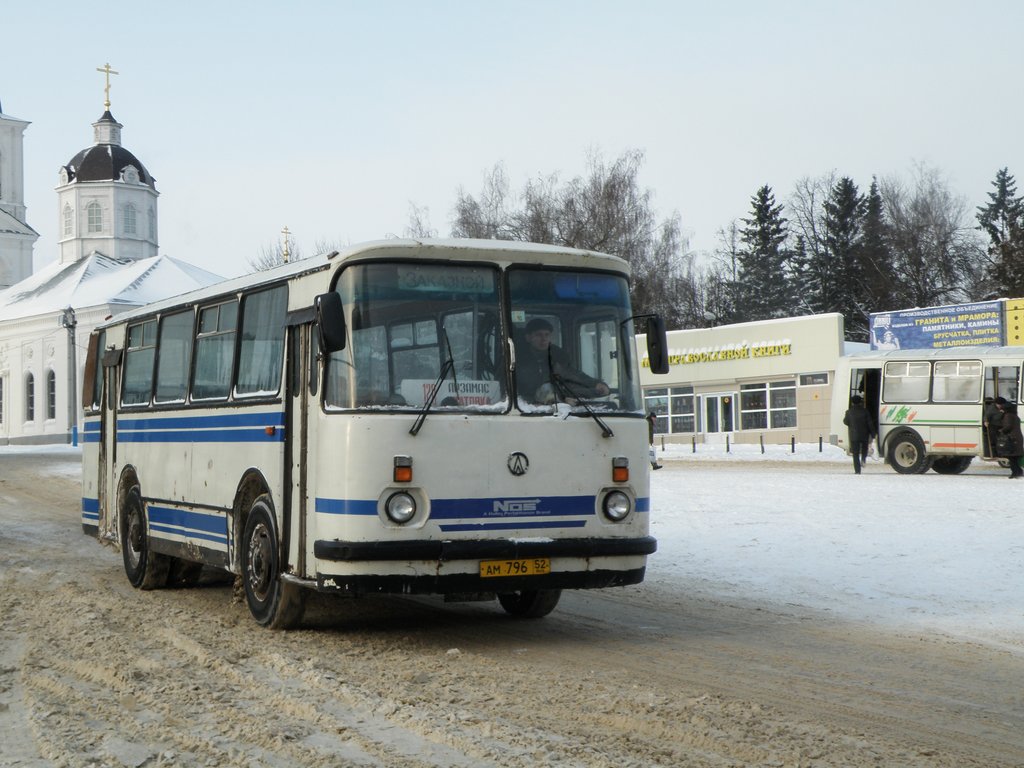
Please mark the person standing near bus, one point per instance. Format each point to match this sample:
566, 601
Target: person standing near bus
1011, 440
652, 417
862, 430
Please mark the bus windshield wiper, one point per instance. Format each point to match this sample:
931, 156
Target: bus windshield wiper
448, 365
565, 393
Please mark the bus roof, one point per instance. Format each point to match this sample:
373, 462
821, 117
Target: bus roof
946, 353
458, 249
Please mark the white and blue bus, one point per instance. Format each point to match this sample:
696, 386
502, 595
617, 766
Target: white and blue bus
929, 404
352, 423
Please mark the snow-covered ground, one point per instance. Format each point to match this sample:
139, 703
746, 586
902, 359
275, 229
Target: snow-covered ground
940, 552
944, 552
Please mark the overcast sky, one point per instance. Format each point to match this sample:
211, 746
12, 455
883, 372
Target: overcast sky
333, 118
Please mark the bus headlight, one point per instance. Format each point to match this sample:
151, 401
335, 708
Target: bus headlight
617, 506
400, 508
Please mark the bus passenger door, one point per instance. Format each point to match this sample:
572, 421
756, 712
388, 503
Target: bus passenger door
302, 397
107, 486
1000, 381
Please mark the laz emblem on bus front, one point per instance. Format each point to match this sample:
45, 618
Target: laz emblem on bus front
518, 463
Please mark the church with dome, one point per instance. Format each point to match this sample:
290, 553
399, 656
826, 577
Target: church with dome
107, 262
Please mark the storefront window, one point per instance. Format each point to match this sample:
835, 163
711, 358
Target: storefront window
768, 405
674, 407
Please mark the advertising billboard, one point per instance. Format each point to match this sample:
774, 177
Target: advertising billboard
957, 325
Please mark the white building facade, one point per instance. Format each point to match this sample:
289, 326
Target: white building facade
17, 238
767, 381
107, 262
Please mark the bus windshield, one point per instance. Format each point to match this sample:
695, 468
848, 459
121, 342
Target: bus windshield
573, 338
405, 323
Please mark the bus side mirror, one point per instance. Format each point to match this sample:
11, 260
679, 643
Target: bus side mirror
657, 344
330, 322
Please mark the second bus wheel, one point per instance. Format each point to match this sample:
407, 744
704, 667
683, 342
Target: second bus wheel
273, 602
145, 568
530, 603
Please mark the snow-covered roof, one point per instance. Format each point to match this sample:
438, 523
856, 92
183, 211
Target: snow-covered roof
100, 280
12, 226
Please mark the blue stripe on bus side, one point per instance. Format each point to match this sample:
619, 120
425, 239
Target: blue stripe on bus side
90, 509
218, 428
346, 506
643, 504
192, 525
215, 421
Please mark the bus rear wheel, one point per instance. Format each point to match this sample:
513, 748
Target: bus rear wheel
273, 602
530, 603
145, 568
907, 455
951, 465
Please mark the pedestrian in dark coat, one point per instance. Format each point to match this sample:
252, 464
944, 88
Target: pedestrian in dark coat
1011, 440
862, 430
993, 417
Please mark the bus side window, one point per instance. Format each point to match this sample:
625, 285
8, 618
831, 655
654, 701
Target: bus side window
215, 351
261, 352
140, 351
173, 355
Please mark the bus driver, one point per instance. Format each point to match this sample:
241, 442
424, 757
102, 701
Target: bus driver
544, 373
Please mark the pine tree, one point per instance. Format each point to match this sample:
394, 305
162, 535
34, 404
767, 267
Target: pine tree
876, 256
1003, 221
762, 289
845, 291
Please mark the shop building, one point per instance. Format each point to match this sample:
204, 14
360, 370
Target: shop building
767, 381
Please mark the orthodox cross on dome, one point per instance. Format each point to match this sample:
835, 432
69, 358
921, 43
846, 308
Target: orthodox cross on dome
284, 251
106, 90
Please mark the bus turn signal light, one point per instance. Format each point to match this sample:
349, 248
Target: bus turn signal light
620, 469
403, 469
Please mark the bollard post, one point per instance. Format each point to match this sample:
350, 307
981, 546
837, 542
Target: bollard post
819, 444
726, 443
762, 444
792, 445
693, 440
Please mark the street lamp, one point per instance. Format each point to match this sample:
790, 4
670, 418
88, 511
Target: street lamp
70, 322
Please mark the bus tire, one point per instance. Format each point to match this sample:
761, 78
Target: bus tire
145, 568
273, 602
530, 603
951, 465
907, 456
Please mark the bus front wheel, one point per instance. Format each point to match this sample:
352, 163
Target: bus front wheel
530, 603
145, 568
273, 602
907, 455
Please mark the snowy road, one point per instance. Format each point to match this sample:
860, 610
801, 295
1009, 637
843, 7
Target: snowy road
750, 645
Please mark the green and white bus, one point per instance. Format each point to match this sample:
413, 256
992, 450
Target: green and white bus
929, 405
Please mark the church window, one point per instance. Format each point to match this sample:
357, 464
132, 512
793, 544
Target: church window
129, 219
152, 225
30, 398
95, 213
51, 395
69, 221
